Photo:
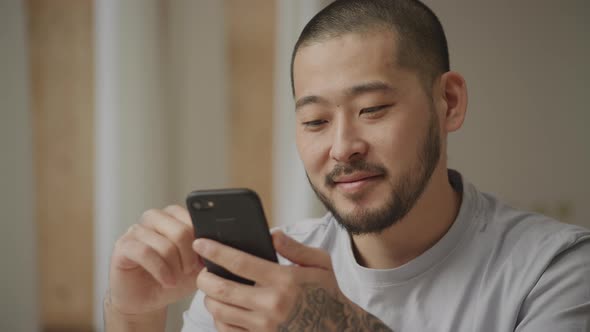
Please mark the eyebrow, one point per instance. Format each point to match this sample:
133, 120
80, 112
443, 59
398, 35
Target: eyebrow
373, 86
307, 100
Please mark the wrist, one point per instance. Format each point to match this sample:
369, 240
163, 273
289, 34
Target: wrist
117, 321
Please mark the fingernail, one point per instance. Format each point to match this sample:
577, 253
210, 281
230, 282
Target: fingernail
200, 246
130, 229
280, 238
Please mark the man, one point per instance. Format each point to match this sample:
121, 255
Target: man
408, 245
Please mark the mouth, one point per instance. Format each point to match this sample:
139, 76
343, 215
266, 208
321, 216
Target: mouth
354, 183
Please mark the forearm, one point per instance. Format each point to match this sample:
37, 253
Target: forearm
118, 322
319, 310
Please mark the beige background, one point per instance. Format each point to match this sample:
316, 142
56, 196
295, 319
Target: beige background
526, 136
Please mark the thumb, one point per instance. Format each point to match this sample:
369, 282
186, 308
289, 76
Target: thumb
300, 254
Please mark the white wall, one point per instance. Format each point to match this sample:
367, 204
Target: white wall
526, 136
18, 277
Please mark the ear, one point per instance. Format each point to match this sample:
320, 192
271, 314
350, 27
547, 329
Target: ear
452, 100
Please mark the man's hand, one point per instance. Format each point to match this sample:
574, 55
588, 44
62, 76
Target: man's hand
153, 265
302, 297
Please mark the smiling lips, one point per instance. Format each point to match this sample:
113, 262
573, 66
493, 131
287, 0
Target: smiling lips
351, 183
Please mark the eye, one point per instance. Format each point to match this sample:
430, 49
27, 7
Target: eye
314, 123
372, 110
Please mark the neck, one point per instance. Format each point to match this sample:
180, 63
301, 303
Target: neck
427, 222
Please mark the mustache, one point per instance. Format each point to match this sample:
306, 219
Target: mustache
349, 168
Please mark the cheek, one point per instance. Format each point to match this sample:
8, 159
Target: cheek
395, 142
313, 153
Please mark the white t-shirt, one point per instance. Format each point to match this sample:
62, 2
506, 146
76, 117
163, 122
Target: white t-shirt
496, 269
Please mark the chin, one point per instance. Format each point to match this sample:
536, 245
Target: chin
365, 198
364, 221
360, 204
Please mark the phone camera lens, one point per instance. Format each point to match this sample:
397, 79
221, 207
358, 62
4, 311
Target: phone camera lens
203, 205
197, 205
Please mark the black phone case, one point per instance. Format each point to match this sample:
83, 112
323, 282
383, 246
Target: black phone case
234, 217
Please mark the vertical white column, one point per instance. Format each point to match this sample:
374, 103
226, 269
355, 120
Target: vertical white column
107, 142
132, 162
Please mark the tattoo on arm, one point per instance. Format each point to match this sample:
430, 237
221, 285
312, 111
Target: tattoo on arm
318, 310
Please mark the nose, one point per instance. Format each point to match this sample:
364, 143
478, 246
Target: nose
347, 143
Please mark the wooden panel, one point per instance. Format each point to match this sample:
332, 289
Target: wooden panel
250, 27
61, 68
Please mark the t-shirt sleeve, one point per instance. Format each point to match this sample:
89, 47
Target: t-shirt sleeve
560, 300
197, 318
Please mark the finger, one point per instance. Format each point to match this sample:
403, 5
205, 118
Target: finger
300, 254
179, 213
148, 259
163, 246
229, 314
238, 262
228, 291
178, 232
119, 259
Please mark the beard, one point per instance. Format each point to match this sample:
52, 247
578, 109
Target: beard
405, 191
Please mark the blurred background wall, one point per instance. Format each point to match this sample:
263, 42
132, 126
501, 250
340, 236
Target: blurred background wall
18, 269
526, 135
108, 108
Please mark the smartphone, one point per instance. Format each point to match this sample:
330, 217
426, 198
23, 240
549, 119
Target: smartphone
234, 217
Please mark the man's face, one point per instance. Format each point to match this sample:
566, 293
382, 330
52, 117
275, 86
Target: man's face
366, 131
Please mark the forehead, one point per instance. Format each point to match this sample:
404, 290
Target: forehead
336, 63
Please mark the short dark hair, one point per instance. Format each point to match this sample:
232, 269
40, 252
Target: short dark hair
420, 36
